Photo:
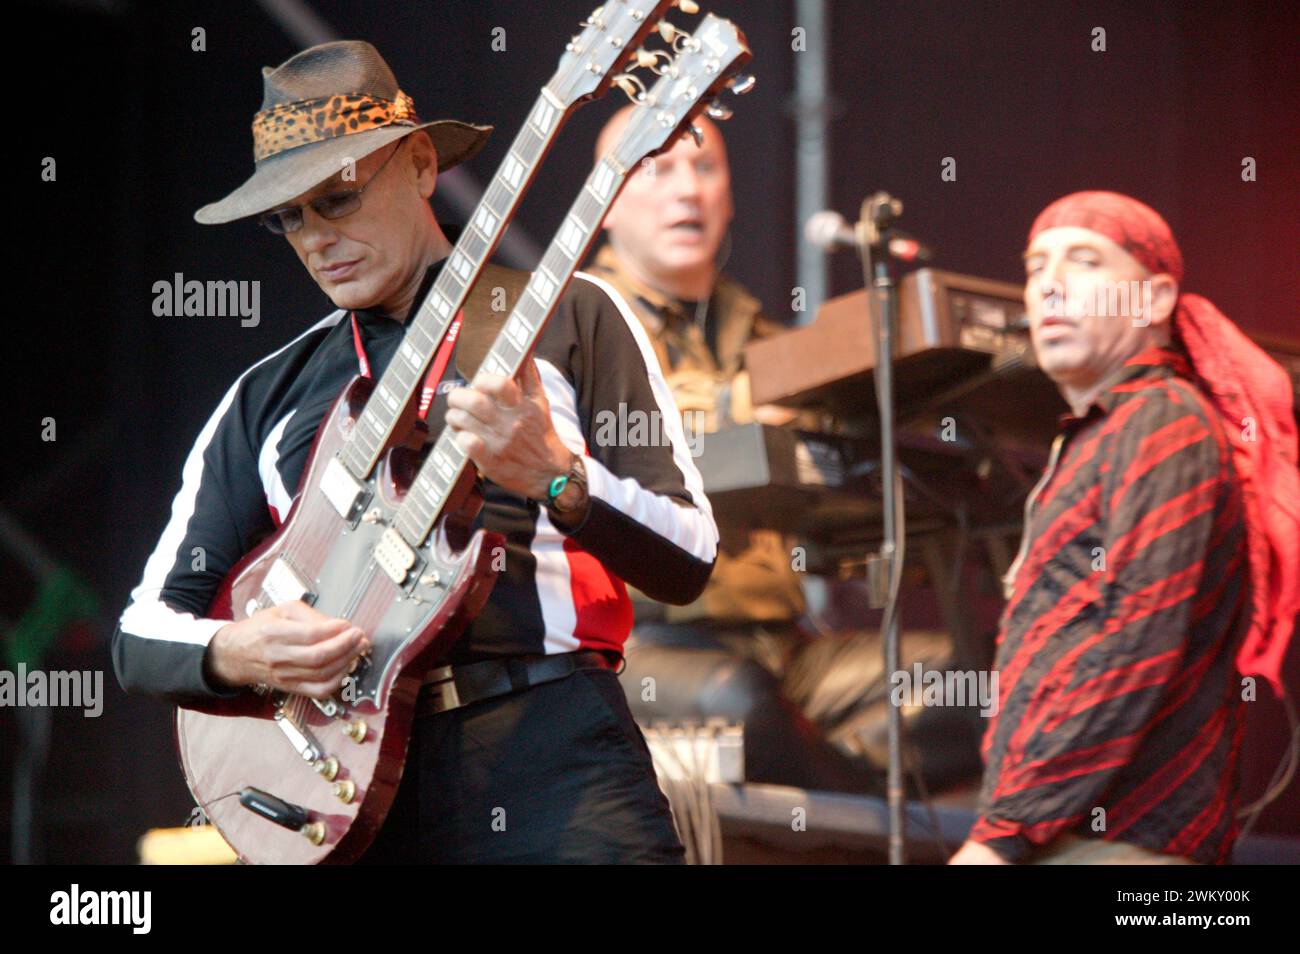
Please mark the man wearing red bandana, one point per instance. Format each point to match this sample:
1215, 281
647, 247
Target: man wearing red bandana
1160, 566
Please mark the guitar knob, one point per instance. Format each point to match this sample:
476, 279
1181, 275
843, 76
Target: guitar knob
314, 832
356, 730
328, 768
345, 791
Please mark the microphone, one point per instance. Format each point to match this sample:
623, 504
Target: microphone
828, 230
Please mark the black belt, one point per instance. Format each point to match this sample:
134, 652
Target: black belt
450, 687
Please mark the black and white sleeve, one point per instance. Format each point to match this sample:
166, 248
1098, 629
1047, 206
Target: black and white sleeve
218, 514
649, 521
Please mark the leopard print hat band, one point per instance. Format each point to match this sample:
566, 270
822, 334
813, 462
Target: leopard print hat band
290, 125
312, 105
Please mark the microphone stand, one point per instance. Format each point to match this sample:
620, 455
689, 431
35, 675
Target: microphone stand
879, 213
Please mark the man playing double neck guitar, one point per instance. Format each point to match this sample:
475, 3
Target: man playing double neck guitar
556, 771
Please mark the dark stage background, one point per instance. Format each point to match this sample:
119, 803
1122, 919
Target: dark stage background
145, 130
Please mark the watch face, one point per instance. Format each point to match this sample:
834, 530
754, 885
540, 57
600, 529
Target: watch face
577, 475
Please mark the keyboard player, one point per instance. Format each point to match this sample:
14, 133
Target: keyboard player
723, 655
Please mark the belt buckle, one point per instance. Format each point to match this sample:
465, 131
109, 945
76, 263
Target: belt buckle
441, 687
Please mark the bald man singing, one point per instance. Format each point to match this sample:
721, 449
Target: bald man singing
725, 654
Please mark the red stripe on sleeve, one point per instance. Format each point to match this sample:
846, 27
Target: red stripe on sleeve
1120, 681
1170, 775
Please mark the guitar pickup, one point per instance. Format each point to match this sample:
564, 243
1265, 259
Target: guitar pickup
347, 495
282, 584
394, 556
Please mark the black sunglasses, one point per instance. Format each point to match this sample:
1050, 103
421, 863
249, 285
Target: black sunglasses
334, 205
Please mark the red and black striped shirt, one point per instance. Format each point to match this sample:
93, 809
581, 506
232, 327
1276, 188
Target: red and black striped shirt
1120, 707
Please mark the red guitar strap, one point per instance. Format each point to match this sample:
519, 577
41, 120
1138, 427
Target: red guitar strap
435, 370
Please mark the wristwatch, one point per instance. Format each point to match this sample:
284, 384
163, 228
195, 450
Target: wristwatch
577, 475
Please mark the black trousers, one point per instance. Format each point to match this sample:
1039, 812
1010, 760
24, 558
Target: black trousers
558, 773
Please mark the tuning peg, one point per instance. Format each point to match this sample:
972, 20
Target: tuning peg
688, 7
670, 32
631, 85
697, 134
719, 111
742, 83
649, 59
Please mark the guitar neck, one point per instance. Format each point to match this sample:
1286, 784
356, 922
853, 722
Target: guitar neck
446, 462
392, 402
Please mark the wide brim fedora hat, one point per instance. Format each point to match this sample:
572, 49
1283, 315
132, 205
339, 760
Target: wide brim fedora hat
326, 106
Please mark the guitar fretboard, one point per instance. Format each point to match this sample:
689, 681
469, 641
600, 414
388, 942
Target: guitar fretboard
442, 468
405, 372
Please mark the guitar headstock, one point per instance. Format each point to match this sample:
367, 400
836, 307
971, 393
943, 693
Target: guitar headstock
609, 41
706, 64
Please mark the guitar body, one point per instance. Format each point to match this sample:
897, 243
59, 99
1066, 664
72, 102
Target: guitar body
229, 745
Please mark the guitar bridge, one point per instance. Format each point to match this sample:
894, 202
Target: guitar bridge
300, 737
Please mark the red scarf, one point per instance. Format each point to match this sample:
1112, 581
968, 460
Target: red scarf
1245, 385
